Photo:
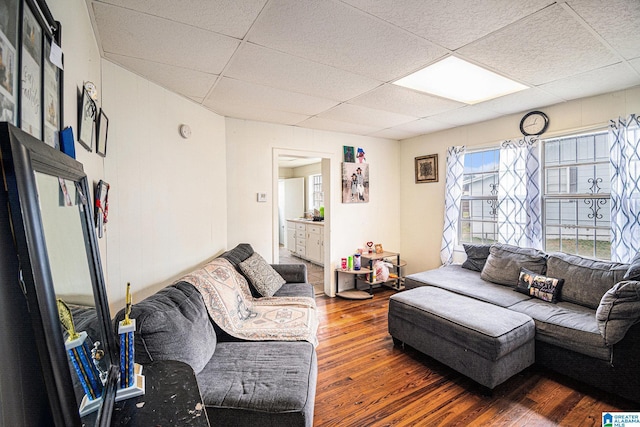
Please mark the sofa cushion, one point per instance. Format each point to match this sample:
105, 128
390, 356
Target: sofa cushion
456, 279
296, 290
504, 263
173, 324
566, 325
258, 383
539, 286
619, 309
476, 256
261, 275
585, 280
633, 273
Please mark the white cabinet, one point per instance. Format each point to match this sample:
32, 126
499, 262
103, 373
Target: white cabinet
306, 240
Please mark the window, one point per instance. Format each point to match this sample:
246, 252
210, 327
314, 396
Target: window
478, 213
315, 191
576, 197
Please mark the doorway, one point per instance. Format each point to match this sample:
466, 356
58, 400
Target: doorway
296, 169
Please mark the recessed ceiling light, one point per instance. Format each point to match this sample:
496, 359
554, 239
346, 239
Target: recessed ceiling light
461, 81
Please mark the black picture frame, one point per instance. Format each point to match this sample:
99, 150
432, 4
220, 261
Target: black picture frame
103, 131
426, 168
87, 112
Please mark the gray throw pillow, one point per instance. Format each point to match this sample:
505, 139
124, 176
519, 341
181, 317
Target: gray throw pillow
505, 261
261, 275
633, 273
476, 256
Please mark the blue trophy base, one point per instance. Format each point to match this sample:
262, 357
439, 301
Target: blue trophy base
137, 389
88, 406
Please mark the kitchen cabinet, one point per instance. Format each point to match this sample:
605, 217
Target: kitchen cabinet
305, 239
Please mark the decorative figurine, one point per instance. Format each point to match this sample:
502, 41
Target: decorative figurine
80, 355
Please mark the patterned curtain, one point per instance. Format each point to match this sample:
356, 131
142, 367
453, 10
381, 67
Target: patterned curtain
453, 195
519, 198
624, 136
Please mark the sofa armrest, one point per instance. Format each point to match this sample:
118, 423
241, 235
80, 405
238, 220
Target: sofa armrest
292, 273
619, 309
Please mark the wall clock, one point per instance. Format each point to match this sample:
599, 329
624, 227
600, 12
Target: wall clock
534, 123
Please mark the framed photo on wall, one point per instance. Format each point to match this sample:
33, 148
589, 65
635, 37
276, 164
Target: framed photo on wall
86, 120
355, 182
103, 129
427, 168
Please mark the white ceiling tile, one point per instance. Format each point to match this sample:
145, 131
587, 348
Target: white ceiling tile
275, 69
466, 115
608, 79
138, 35
243, 94
229, 17
520, 101
450, 23
249, 112
635, 64
392, 133
190, 83
618, 23
365, 116
544, 47
422, 126
337, 126
336, 34
390, 97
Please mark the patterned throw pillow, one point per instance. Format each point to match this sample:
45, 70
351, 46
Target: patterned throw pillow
261, 275
539, 286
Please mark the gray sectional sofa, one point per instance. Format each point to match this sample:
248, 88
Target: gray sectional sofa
590, 331
243, 383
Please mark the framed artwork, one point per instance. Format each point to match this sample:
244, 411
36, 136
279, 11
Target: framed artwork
30, 84
103, 129
349, 154
427, 168
355, 182
86, 120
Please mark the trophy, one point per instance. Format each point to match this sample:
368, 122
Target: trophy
131, 378
81, 357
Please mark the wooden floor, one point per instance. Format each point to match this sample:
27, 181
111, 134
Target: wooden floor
365, 381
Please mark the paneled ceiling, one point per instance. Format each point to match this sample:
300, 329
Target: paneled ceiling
330, 64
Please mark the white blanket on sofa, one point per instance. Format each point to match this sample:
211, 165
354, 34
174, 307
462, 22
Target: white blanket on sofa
229, 302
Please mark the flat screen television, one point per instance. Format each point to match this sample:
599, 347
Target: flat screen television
50, 213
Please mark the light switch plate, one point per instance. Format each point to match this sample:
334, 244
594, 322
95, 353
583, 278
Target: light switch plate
262, 197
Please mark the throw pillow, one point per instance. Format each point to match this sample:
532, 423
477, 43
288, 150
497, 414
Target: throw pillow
633, 273
539, 286
262, 276
476, 256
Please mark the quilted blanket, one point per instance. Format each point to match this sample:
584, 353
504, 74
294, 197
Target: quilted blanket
231, 306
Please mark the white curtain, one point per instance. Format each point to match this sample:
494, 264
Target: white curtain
519, 197
624, 136
452, 197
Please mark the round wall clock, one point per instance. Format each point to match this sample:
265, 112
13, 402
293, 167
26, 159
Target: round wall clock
534, 123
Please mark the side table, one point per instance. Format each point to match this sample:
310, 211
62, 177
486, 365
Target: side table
354, 293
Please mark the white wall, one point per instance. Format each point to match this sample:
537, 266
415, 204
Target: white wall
250, 148
422, 206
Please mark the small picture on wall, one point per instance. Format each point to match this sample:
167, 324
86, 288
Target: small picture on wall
427, 168
360, 156
355, 183
349, 155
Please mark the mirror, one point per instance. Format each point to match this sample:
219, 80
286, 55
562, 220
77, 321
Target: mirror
51, 219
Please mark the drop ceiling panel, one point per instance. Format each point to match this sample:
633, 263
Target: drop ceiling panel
636, 64
249, 112
595, 82
450, 23
238, 93
338, 126
520, 101
336, 34
618, 23
365, 116
267, 67
390, 97
466, 115
190, 83
143, 36
544, 47
422, 126
229, 17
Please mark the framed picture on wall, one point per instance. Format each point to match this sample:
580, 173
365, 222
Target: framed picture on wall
103, 129
349, 154
427, 168
355, 182
86, 120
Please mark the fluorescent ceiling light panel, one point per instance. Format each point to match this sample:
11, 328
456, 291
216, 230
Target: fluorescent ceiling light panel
453, 78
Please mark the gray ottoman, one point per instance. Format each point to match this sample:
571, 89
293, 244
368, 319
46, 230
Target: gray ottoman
487, 343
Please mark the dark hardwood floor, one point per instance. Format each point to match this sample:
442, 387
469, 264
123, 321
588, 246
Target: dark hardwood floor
364, 380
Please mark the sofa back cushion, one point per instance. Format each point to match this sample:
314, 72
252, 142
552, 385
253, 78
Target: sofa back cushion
505, 261
585, 280
173, 324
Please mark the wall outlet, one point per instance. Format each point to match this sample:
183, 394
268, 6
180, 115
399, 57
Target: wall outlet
262, 197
